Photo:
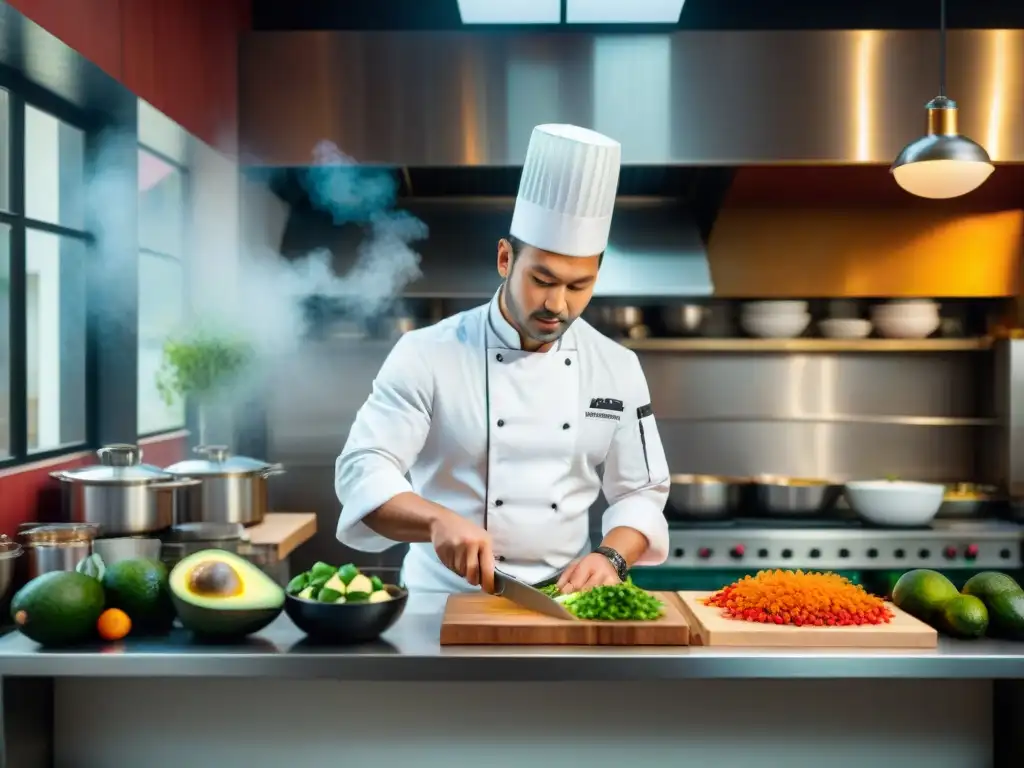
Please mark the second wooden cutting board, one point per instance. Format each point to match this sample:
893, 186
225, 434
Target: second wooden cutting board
709, 627
480, 619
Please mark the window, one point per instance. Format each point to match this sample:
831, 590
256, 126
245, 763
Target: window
161, 281
55, 346
5, 335
54, 170
43, 262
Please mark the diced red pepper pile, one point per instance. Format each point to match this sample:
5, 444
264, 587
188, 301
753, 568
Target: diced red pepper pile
800, 599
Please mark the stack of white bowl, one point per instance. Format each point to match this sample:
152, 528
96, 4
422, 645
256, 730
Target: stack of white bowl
845, 328
909, 319
775, 319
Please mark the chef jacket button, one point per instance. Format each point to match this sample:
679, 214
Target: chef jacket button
565, 426
498, 502
499, 358
568, 361
554, 506
501, 422
501, 558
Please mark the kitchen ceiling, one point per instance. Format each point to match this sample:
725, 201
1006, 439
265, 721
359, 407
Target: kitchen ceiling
276, 15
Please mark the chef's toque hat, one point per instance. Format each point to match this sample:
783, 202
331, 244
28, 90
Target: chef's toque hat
567, 190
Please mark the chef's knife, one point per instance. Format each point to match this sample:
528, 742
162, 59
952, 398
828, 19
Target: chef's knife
523, 594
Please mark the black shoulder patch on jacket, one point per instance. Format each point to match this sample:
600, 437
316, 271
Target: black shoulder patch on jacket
644, 411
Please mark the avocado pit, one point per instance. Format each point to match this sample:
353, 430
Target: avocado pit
214, 579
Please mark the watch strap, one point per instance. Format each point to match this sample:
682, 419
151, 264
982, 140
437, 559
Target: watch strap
618, 561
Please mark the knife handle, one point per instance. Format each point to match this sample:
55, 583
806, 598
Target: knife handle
499, 583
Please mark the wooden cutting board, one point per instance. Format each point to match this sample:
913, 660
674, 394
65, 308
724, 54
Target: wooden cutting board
285, 531
709, 627
480, 619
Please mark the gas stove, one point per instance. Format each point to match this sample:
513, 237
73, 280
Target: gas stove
751, 544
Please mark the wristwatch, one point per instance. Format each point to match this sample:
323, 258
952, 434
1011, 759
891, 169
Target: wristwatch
618, 561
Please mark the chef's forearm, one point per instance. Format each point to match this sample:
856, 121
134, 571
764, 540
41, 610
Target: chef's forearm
406, 517
628, 542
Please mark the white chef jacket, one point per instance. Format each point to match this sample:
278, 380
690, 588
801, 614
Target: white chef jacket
509, 439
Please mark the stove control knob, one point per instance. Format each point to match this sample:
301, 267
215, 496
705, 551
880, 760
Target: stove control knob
971, 552
704, 553
738, 551
949, 553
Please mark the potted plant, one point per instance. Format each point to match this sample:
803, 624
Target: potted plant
197, 366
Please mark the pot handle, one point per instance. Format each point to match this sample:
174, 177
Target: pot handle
120, 455
273, 469
59, 474
170, 485
218, 454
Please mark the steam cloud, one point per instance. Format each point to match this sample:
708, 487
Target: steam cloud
265, 303
272, 315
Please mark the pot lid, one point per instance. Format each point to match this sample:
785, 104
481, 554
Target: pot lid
57, 533
218, 461
118, 464
9, 549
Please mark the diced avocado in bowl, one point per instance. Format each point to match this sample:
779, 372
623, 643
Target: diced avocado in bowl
343, 605
324, 583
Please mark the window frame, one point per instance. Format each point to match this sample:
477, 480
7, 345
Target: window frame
182, 169
22, 93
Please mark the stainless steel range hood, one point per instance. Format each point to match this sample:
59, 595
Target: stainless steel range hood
448, 99
656, 247
449, 106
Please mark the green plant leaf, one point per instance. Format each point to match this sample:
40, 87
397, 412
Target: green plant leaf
92, 566
199, 364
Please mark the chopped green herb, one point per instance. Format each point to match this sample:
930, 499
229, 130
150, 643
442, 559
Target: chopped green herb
614, 602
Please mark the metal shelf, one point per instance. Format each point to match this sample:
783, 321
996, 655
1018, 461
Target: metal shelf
839, 418
808, 345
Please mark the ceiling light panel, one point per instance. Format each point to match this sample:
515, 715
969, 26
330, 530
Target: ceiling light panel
623, 11
510, 11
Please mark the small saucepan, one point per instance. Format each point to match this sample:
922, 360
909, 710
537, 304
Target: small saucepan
963, 500
703, 497
794, 497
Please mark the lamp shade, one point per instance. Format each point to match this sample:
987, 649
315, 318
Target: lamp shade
942, 164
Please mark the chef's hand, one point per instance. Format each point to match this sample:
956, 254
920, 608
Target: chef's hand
465, 548
594, 570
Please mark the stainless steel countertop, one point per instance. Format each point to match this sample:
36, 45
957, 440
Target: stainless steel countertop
410, 651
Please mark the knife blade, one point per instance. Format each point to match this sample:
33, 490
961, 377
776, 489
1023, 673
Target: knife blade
526, 596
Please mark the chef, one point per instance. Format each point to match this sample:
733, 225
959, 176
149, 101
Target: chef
483, 439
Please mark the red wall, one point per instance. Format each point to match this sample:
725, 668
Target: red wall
179, 55
28, 493
182, 57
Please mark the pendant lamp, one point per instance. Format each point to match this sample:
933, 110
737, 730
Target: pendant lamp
942, 164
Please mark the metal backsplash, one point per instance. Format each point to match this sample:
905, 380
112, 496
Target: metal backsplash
694, 98
833, 416
837, 416
1009, 403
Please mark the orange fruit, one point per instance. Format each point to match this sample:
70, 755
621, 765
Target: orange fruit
113, 624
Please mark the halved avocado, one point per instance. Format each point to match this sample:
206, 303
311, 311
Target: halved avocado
219, 594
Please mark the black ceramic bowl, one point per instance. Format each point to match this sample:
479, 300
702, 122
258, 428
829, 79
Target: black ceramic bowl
346, 622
